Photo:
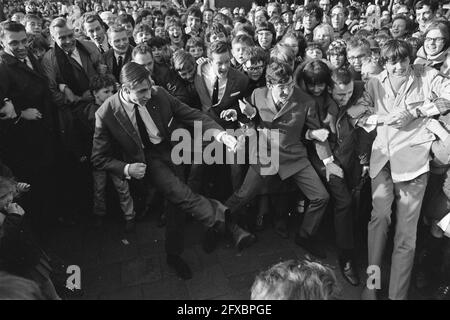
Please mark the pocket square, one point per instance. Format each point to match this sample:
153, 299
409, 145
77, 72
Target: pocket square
234, 94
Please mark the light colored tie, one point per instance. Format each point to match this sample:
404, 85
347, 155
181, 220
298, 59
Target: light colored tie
28, 63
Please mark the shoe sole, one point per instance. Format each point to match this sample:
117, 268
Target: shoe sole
246, 242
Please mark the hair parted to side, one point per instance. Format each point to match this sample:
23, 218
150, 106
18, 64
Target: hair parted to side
101, 81
395, 50
181, 58
10, 26
295, 280
278, 73
341, 75
218, 47
133, 74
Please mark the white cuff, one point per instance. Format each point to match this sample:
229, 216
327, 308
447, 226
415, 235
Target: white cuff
220, 135
125, 172
429, 109
253, 115
444, 224
328, 160
62, 87
371, 123
308, 134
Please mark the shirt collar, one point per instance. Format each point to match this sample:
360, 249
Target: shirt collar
127, 105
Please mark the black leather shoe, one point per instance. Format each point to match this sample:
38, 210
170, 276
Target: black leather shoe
442, 293
349, 273
130, 226
311, 245
241, 238
181, 268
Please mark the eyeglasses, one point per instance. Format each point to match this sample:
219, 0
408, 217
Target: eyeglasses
437, 40
255, 68
359, 57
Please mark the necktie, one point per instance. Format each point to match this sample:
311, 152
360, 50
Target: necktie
142, 128
278, 105
119, 64
100, 46
28, 63
215, 94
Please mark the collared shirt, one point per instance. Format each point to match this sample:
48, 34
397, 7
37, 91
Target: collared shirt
105, 45
210, 79
27, 61
117, 57
152, 129
76, 56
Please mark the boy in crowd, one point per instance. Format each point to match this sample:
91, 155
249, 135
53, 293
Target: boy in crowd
33, 24
239, 46
142, 33
196, 47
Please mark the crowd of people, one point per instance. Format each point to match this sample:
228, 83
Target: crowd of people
330, 97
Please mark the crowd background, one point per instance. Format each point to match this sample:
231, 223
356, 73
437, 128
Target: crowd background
48, 142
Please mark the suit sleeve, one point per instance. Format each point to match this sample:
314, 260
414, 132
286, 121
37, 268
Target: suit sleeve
102, 149
187, 115
50, 72
312, 122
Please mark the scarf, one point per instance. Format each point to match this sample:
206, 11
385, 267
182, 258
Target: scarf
435, 61
77, 85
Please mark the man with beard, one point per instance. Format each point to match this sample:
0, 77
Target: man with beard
94, 28
120, 52
68, 67
26, 141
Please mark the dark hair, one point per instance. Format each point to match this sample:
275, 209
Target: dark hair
195, 12
142, 14
218, 47
132, 74
408, 22
125, 18
215, 28
245, 28
341, 76
91, 17
266, 26
10, 26
301, 41
172, 12
38, 42
157, 42
431, 3
313, 8
244, 39
195, 41
395, 50
354, 10
278, 73
99, 82
142, 48
256, 54
143, 27
31, 17
315, 72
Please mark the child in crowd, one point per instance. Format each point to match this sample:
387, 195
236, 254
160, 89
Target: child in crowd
196, 47
239, 46
313, 51
142, 33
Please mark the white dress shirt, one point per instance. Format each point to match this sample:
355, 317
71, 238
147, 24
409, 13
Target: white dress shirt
76, 56
210, 79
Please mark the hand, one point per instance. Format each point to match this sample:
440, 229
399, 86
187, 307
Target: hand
31, 114
230, 142
436, 128
202, 60
333, 168
8, 111
365, 171
229, 115
330, 121
70, 96
400, 120
14, 208
102, 69
247, 108
22, 187
137, 170
319, 134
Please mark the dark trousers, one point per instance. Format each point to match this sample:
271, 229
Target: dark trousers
168, 179
308, 182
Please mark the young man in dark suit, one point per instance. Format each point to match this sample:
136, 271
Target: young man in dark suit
120, 52
286, 115
27, 140
140, 120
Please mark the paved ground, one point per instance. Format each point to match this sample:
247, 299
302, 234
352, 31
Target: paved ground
115, 266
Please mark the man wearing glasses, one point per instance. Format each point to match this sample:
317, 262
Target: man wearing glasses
358, 52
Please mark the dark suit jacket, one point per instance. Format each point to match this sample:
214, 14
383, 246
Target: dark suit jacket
53, 73
237, 84
114, 126
25, 143
297, 115
109, 59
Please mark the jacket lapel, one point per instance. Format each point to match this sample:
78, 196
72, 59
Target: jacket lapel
271, 104
153, 110
124, 120
200, 85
